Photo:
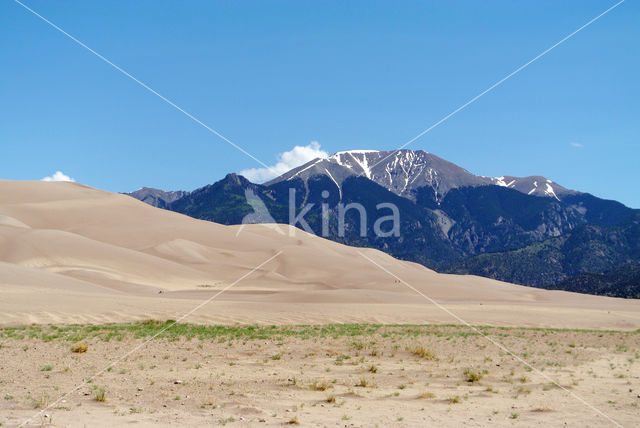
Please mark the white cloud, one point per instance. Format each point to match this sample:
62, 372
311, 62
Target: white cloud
297, 156
576, 144
58, 176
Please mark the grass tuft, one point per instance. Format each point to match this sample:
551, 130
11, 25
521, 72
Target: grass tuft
421, 352
362, 383
472, 376
99, 395
427, 395
80, 348
320, 386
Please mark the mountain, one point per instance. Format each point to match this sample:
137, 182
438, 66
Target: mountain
528, 230
156, 197
467, 221
73, 254
621, 281
222, 202
403, 172
591, 258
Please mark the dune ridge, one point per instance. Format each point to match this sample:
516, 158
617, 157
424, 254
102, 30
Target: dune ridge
71, 253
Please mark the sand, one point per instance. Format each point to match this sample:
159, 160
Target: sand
70, 253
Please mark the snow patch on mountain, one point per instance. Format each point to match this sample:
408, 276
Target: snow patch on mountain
334, 180
550, 192
404, 171
354, 151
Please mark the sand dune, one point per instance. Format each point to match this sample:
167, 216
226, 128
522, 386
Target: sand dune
73, 253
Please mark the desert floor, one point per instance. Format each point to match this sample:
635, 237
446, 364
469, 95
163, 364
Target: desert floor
80, 258
326, 375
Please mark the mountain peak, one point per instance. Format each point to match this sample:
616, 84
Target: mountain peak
404, 171
235, 179
157, 197
353, 152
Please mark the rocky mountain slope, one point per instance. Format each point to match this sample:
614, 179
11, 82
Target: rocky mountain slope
514, 229
403, 172
156, 197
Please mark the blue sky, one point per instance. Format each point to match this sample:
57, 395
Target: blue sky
349, 75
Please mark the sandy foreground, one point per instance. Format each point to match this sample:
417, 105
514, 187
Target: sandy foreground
70, 254
348, 376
